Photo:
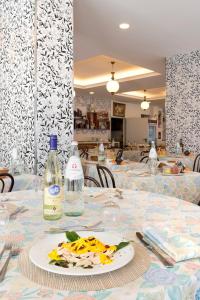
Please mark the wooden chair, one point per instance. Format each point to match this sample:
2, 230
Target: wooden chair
196, 166
119, 158
104, 175
3, 185
88, 179
143, 153
84, 153
144, 159
119, 154
3, 177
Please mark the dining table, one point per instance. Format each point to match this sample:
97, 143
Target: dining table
187, 160
138, 209
23, 182
136, 155
133, 155
136, 176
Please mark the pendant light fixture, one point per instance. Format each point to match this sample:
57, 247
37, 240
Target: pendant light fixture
112, 85
145, 103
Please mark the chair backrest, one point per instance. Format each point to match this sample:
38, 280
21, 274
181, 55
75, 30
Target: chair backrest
84, 153
196, 166
88, 180
119, 153
144, 159
3, 185
118, 158
143, 153
104, 175
3, 177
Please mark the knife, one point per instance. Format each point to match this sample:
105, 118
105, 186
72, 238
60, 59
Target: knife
166, 260
74, 229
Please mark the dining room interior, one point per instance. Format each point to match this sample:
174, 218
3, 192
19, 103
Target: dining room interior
100, 152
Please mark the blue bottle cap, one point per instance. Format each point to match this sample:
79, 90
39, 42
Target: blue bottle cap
53, 142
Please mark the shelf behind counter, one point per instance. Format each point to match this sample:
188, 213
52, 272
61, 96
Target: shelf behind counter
90, 145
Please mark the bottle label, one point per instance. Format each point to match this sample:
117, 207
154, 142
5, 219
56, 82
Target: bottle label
74, 169
52, 200
54, 190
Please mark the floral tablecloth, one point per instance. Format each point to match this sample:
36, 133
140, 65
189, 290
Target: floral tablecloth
182, 282
185, 187
134, 155
188, 161
23, 182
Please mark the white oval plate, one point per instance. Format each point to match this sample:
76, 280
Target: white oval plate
39, 254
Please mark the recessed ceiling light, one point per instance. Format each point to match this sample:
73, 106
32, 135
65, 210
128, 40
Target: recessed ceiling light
91, 93
124, 26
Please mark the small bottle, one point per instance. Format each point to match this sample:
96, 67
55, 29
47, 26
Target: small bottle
178, 149
153, 159
52, 202
113, 143
74, 182
181, 145
101, 154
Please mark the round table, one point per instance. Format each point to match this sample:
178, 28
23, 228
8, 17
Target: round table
186, 186
138, 209
188, 161
134, 155
23, 182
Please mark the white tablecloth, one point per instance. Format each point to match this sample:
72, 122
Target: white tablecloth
137, 209
186, 186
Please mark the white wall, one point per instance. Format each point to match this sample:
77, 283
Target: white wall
136, 130
133, 110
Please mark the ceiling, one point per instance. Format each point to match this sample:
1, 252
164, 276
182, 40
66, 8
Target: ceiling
95, 71
151, 94
158, 29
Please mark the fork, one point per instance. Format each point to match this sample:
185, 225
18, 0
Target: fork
20, 210
6, 246
13, 250
119, 194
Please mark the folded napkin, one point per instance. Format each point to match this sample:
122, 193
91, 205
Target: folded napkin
138, 172
177, 245
94, 192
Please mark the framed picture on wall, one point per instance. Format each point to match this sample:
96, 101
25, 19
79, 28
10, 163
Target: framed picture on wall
119, 109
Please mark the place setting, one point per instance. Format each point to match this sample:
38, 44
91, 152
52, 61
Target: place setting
100, 150
83, 260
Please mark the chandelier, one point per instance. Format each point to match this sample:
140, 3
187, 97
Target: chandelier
145, 103
112, 85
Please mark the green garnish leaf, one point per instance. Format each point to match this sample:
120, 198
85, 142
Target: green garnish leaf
72, 236
52, 262
59, 263
122, 245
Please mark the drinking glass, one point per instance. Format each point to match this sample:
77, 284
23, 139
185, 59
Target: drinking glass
4, 219
38, 183
111, 215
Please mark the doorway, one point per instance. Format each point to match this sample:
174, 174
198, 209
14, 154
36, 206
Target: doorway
118, 130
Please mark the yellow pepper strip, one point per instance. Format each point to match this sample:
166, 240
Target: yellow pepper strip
104, 259
53, 255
